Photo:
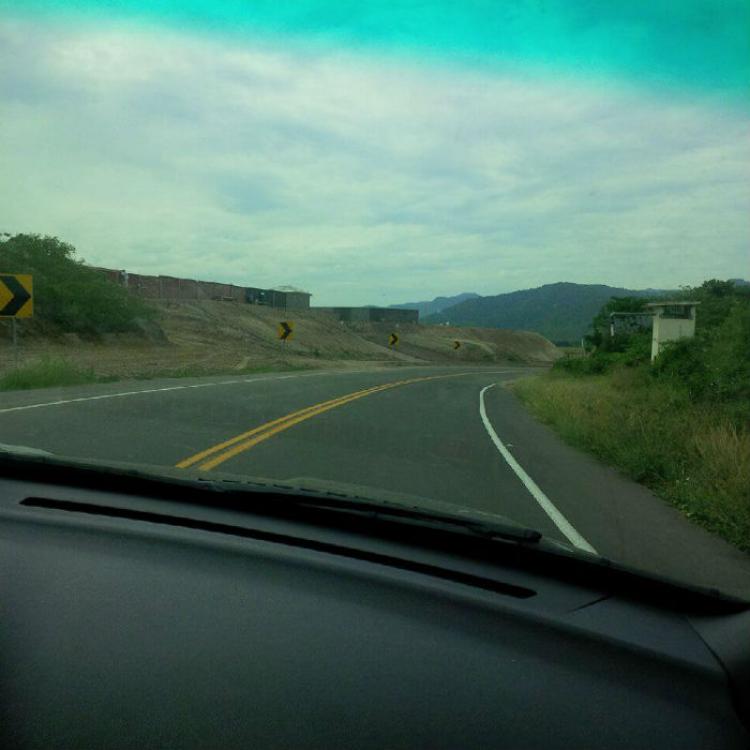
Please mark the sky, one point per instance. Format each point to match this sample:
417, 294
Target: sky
383, 152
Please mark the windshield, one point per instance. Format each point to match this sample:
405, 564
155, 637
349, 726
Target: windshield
475, 255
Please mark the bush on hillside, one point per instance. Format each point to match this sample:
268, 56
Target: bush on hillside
600, 338
621, 351
712, 366
715, 365
68, 293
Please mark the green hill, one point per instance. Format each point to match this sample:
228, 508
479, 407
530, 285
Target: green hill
561, 312
437, 305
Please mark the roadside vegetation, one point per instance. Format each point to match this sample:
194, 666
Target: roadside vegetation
69, 296
53, 372
47, 372
682, 425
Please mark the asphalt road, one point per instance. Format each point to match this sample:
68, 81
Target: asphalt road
449, 434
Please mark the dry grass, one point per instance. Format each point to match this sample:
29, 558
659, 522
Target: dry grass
46, 372
694, 455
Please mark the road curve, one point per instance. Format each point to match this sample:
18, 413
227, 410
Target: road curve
450, 434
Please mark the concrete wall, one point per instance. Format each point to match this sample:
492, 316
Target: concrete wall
144, 286
172, 287
297, 300
670, 329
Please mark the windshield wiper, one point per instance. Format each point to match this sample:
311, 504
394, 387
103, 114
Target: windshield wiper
385, 511
253, 494
274, 499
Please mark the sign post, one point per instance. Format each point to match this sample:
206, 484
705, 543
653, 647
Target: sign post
14, 335
16, 301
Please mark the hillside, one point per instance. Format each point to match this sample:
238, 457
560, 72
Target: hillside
431, 307
202, 337
561, 312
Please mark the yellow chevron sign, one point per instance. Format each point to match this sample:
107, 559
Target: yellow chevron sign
286, 330
16, 295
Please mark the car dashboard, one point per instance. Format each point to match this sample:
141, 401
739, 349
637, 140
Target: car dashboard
146, 614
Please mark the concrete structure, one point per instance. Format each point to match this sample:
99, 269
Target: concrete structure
371, 314
173, 288
286, 298
293, 299
672, 321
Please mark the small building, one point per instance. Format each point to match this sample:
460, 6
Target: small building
672, 321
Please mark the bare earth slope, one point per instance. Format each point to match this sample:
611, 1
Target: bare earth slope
208, 336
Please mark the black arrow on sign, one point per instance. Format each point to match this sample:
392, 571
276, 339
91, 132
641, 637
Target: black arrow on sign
456, 344
20, 295
286, 330
393, 340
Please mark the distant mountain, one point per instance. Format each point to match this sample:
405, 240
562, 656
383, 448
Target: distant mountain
562, 312
436, 305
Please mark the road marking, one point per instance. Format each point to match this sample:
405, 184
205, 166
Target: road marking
239, 443
221, 452
237, 438
122, 394
562, 523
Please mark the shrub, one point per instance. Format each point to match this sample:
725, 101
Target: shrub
692, 454
715, 365
68, 293
45, 373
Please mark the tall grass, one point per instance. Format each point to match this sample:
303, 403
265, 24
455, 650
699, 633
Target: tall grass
45, 373
693, 454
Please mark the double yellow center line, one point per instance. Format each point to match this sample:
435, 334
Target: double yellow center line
218, 454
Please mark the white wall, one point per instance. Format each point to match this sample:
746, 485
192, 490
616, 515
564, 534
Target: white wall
670, 329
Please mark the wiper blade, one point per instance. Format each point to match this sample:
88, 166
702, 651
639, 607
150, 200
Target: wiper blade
176, 486
488, 529
413, 511
401, 509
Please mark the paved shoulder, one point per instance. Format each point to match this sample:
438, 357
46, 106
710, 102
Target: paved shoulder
622, 519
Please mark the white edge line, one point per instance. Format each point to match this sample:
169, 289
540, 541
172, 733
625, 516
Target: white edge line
545, 503
122, 394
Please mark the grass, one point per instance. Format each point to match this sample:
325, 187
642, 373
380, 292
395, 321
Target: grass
51, 372
191, 371
47, 372
696, 456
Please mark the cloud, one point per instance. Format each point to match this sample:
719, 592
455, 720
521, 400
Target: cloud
360, 178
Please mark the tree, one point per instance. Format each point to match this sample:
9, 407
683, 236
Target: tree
68, 293
600, 337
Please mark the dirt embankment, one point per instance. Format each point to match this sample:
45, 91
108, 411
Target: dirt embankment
452, 344
207, 336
